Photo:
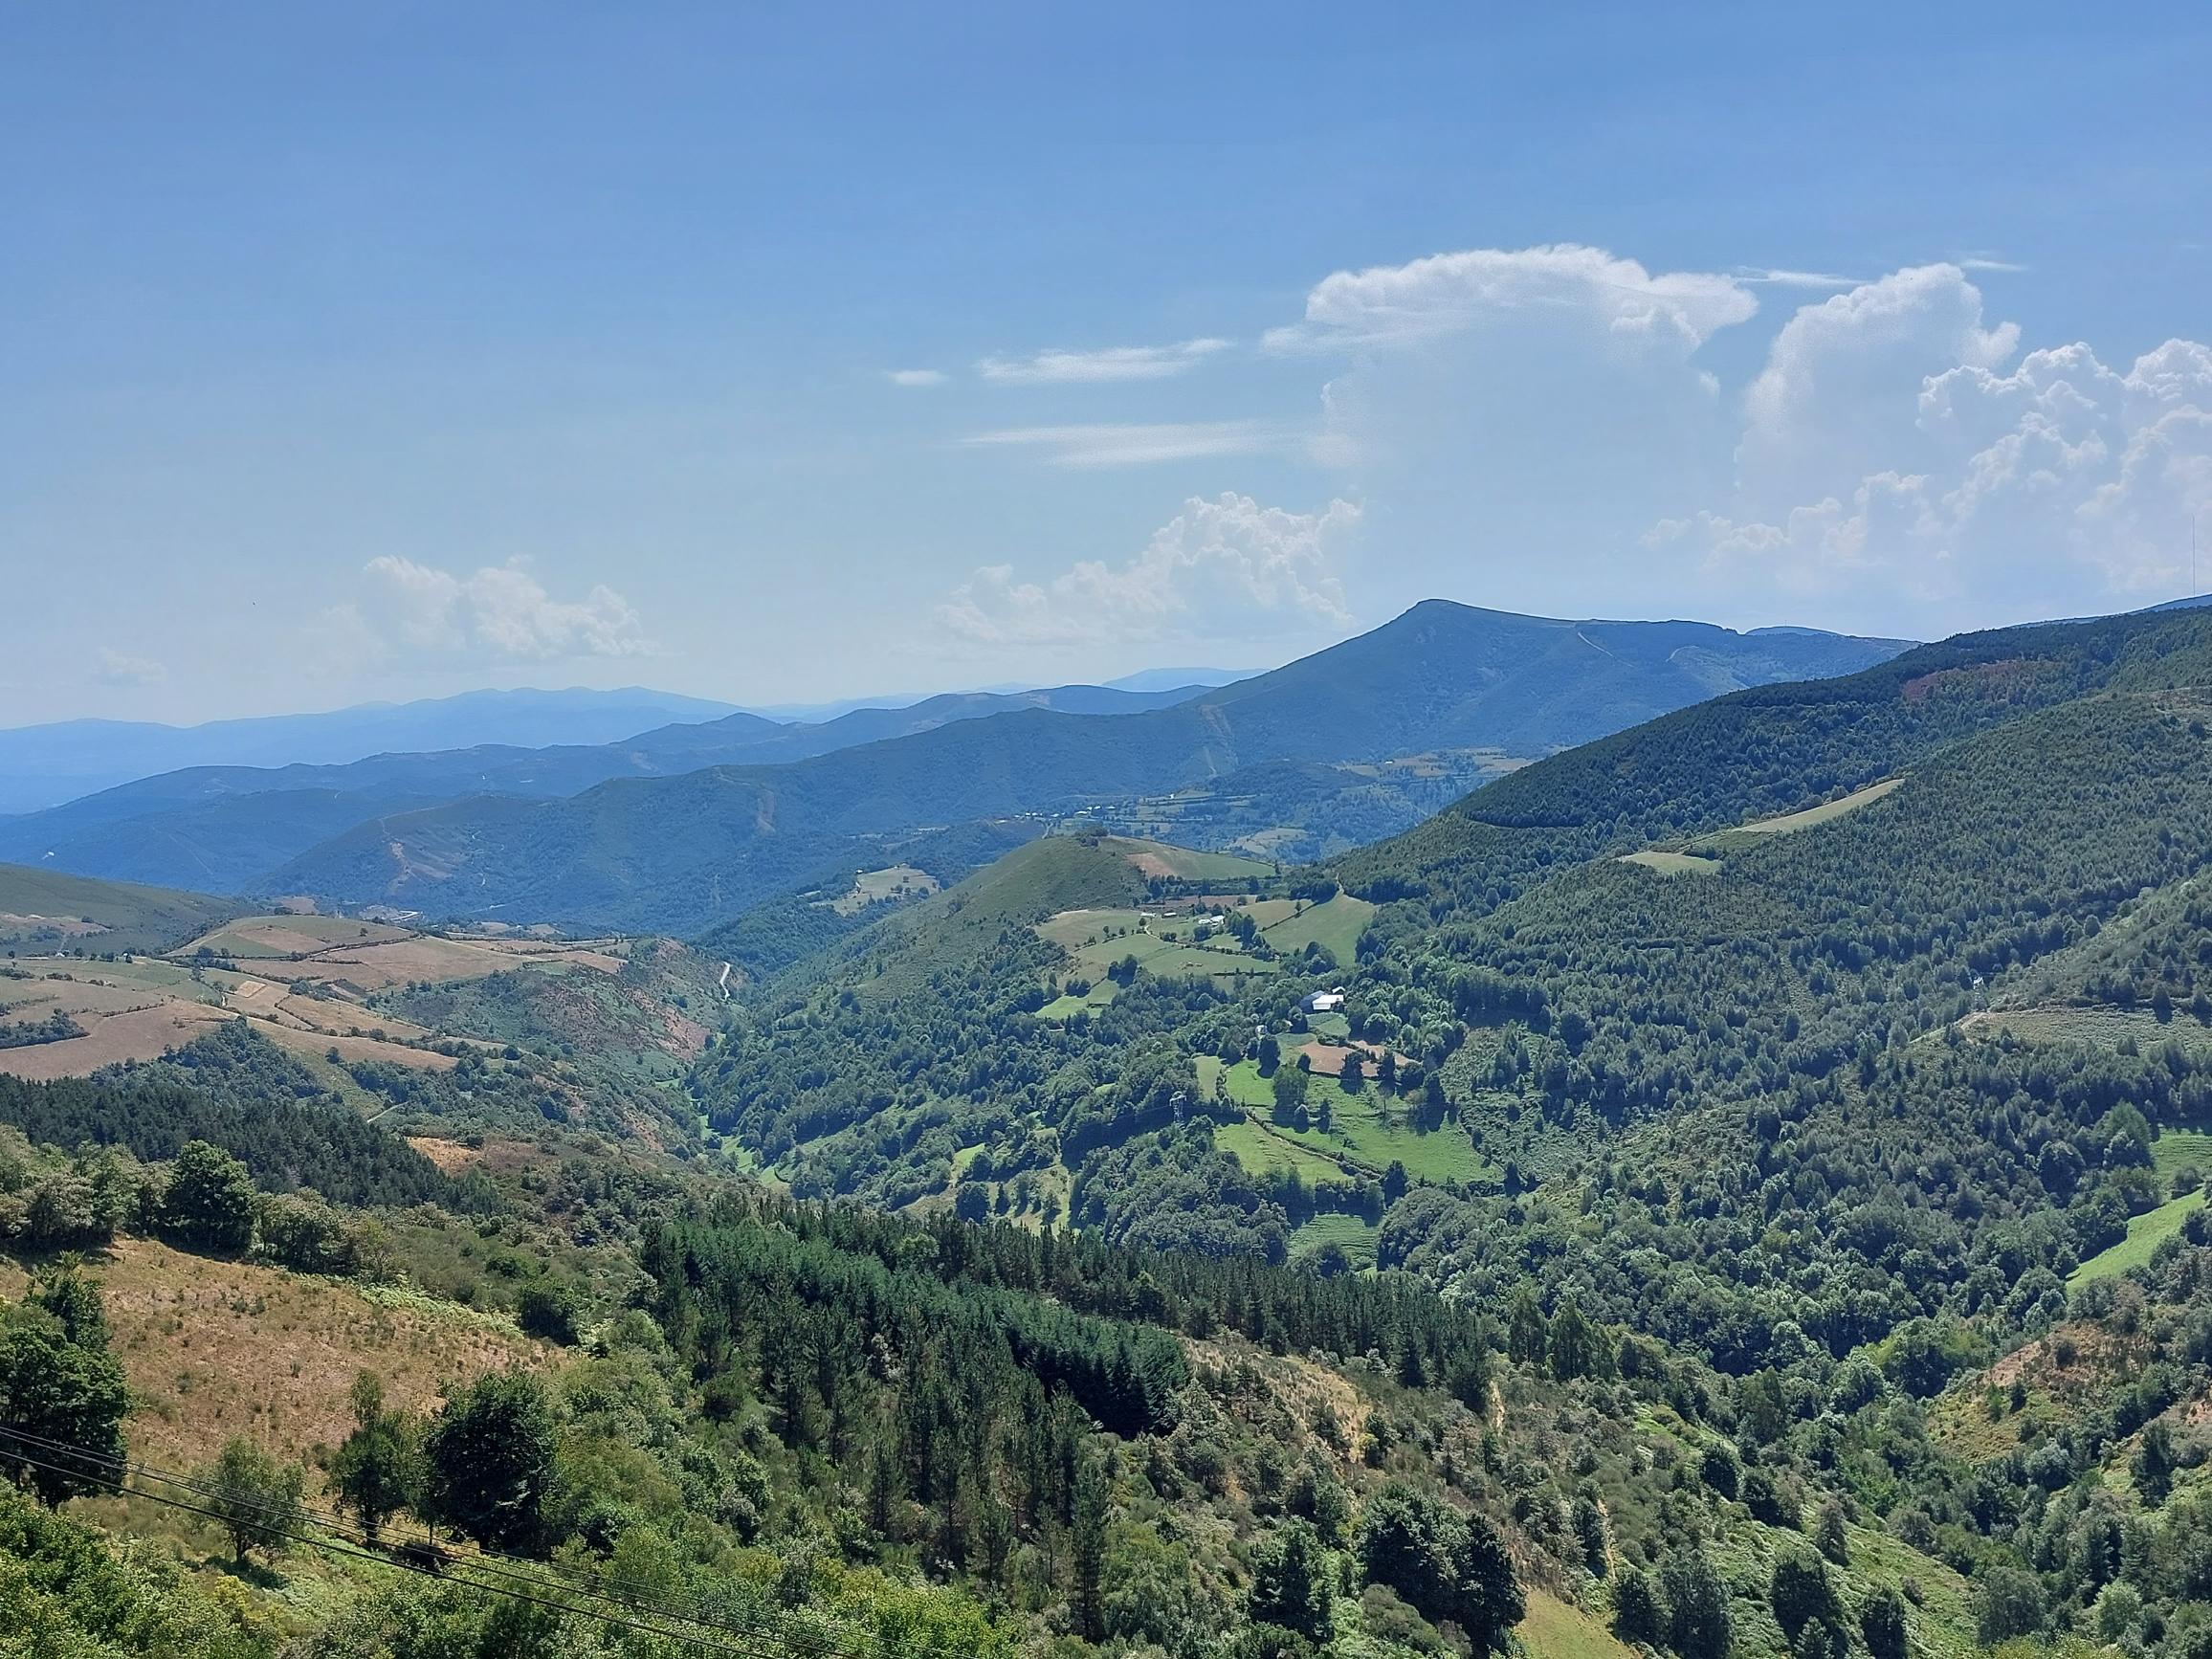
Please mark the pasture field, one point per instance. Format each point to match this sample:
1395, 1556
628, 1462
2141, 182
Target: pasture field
1159, 858
2172, 1152
1557, 1630
1671, 863
1354, 1235
1828, 811
1335, 926
2176, 1149
898, 881
1365, 1135
2146, 1233
145, 1031
1071, 930
1261, 1147
1098, 939
141, 1007
2105, 1024
289, 936
1066, 1007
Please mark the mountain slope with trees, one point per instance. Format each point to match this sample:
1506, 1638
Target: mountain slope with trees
700, 846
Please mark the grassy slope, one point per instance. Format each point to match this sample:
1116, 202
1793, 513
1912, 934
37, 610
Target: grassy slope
1366, 1137
126, 917
216, 1348
1335, 926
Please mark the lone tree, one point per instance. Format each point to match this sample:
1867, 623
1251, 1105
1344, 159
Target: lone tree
256, 1498
1698, 1617
488, 1461
2152, 1467
375, 1468
1883, 1626
1527, 1336
1800, 1593
211, 1199
60, 1387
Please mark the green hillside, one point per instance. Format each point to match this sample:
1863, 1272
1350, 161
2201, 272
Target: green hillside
1795, 1246
46, 911
1756, 1111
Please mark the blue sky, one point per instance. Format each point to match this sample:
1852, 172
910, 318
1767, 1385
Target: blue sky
389, 349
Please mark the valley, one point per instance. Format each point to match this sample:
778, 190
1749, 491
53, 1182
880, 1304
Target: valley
1732, 1186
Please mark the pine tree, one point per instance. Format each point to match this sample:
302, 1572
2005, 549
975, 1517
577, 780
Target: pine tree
1290, 1582
1087, 1545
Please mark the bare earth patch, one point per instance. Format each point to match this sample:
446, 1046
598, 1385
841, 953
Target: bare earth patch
144, 1034
449, 1156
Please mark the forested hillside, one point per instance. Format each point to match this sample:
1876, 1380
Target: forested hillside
1734, 1188
1470, 690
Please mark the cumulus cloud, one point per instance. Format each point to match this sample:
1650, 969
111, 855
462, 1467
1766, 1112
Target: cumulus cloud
2060, 485
1112, 364
1223, 568
500, 613
118, 669
1510, 412
1108, 445
915, 377
1827, 409
1451, 293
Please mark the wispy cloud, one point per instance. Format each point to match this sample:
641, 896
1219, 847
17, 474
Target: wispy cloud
1058, 368
1134, 446
1984, 262
118, 669
1785, 278
915, 377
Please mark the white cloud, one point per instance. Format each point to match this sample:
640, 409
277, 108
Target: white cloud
500, 613
1112, 364
1506, 411
1984, 262
1452, 293
2061, 486
1129, 446
915, 377
1794, 278
1836, 395
1220, 569
117, 669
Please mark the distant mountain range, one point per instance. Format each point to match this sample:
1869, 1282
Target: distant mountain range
674, 853
45, 766
689, 823
223, 829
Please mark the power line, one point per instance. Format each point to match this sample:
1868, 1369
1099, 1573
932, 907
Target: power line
750, 1638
